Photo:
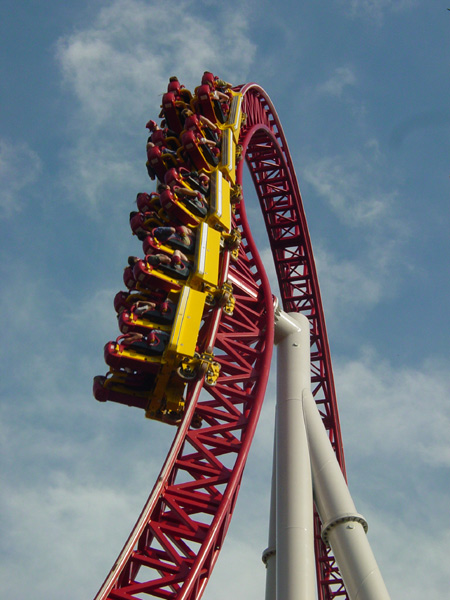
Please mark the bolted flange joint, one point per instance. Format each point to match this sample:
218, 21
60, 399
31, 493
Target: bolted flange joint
268, 553
346, 518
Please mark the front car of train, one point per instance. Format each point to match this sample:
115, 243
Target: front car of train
195, 194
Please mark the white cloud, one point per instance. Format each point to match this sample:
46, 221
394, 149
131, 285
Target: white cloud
95, 316
100, 174
348, 283
376, 9
398, 407
19, 168
66, 519
374, 232
120, 65
269, 266
342, 77
393, 439
371, 219
396, 431
349, 184
118, 69
407, 570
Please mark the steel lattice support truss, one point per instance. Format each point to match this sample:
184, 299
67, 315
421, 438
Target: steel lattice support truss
270, 165
173, 548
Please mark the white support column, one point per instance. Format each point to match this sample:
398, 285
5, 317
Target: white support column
269, 554
304, 460
295, 564
344, 529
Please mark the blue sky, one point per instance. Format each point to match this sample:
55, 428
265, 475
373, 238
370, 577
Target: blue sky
362, 89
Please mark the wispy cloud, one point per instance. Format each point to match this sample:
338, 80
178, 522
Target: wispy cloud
398, 404
349, 185
117, 70
20, 166
66, 508
374, 261
397, 541
419, 122
388, 423
339, 80
375, 10
348, 283
120, 65
395, 422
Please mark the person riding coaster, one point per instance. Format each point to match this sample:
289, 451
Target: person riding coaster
120, 388
167, 256
203, 153
131, 379
134, 389
142, 276
194, 180
160, 162
211, 103
157, 301
177, 238
161, 140
160, 272
163, 312
179, 90
212, 80
147, 315
177, 209
148, 202
176, 265
129, 278
152, 343
171, 111
201, 126
136, 352
142, 224
194, 200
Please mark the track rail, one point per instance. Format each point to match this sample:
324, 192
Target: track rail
268, 159
176, 541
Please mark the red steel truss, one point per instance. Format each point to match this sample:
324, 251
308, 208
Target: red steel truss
268, 159
172, 550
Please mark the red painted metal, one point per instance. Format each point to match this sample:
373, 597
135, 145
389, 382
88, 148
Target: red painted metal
172, 550
177, 539
267, 156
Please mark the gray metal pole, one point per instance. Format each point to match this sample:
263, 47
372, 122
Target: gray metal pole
269, 553
295, 564
304, 461
344, 529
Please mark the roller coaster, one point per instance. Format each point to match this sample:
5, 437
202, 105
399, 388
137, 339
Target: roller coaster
197, 332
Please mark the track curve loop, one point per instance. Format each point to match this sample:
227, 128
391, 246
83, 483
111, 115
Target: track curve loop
176, 541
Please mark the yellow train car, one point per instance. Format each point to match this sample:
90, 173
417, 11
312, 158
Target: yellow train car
219, 202
207, 258
186, 326
227, 163
235, 116
182, 345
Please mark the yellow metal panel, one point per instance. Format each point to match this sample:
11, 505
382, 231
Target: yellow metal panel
167, 396
130, 352
187, 322
138, 320
174, 397
228, 155
206, 267
235, 116
219, 200
160, 275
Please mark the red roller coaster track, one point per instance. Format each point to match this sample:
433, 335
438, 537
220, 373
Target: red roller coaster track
175, 543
